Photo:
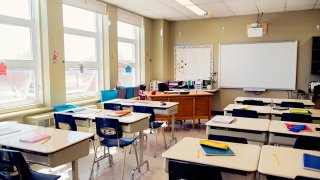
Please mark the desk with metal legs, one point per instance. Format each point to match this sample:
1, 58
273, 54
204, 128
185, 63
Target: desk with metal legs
169, 109
62, 147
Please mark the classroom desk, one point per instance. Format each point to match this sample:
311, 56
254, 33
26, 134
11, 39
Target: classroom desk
192, 106
252, 129
266, 101
134, 122
245, 161
63, 147
263, 111
290, 162
276, 114
169, 109
306, 102
279, 134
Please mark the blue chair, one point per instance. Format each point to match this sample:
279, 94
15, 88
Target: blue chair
253, 102
106, 95
292, 104
244, 113
112, 106
228, 139
305, 118
129, 92
153, 125
110, 132
16, 159
307, 143
192, 171
63, 107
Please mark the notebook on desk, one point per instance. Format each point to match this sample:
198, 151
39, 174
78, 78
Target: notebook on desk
311, 162
223, 119
34, 138
210, 151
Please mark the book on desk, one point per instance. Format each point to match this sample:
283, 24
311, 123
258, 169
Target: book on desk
311, 162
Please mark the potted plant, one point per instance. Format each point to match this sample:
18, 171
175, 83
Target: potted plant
211, 81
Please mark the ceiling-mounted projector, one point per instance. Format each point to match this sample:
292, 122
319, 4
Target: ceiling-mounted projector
255, 30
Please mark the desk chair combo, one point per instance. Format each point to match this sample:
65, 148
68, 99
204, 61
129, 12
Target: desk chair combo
244, 113
15, 158
307, 143
111, 135
153, 125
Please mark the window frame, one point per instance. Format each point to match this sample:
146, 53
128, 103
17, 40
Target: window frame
34, 63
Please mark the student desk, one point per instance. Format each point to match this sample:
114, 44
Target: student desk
262, 110
279, 134
276, 114
63, 147
306, 102
252, 129
290, 162
169, 109
266, 101
245, 161
192, 106
134, 122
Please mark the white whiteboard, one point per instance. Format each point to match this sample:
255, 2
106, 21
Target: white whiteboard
193, 62
263, 65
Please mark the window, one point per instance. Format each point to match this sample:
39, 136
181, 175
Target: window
82, 48
19, 50
128, 54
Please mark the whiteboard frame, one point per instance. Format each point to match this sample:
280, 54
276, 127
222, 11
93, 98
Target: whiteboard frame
258, 42
194, 47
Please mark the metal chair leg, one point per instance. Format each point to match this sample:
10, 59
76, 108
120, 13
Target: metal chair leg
164, 138
110, 158
136, 153
124, 162
155, 143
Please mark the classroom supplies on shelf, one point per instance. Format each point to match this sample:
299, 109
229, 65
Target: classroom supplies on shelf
214, 144
211, 151
223, 119
300, 111
311, 162
298, 127
34, 138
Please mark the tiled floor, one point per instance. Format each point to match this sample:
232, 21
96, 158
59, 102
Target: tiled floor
155, 172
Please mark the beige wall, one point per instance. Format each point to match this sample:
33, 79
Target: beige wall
148, 54
298, 25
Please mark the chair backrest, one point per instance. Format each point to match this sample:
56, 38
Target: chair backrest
106, 95
253, 102
112, 106
307, 143
122, 93
228, 139
163, 87
145, 109
108, 128
304, 178
306, 118
244, 113
292, 104
63, 107
16, 159
129, 92
192, 171
65, 119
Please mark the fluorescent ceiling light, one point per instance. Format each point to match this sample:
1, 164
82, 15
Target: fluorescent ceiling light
192, 7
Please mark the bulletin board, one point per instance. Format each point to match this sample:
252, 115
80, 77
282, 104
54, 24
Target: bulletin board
193, 62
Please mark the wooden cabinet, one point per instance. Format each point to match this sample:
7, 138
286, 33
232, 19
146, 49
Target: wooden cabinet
196, 105
315, 63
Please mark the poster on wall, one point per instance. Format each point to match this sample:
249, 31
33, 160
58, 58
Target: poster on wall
193, 62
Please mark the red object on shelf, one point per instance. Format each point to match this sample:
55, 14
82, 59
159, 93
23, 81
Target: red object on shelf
3, 69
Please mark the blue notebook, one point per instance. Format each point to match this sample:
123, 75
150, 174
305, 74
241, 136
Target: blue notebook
210, 151
311, 162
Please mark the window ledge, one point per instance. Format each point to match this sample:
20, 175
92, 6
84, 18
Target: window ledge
86, 102
23, 113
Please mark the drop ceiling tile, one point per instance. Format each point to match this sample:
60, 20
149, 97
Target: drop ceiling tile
272, 10
205, 1
217, 9
238, 6
246, 12
149, 4
317, 6
296, 8
184, 11
168, 12
318, 2
300, 2
270, 4
170, 3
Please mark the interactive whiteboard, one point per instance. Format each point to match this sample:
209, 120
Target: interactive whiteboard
261, 65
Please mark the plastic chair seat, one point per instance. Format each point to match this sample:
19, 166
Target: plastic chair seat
155, 124
36, 175
114, 142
